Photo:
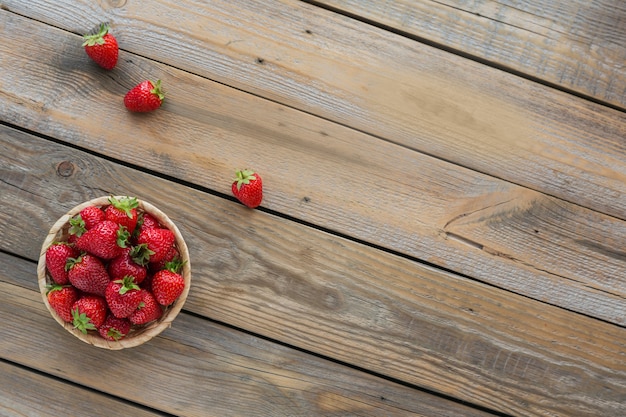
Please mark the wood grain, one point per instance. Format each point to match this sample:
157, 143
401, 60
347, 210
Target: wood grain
196, 368
341, 299
576, 45
422, 207
376, 82
27, 393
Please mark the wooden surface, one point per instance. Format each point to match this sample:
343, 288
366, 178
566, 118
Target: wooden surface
576, 45
438, 237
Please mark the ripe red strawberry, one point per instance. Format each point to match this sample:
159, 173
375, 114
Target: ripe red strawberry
57, 256
85, 220
158, 241
168, 284
123, 296
87, 273
91, 215
89, 312
114, 329
148, 221
149, 309
130, 262
171, 256
144, 97
105, 240
123, 211
102, 47
61, 298
248, 188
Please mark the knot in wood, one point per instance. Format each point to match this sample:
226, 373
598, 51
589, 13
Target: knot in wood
65, 169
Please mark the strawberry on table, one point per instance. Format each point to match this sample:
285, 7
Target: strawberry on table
149, 309
168, 284
105, 240
144, 97
88, 274
102, 47
123, 296
158, 241
248, 188
114, 328
123, 211
89, 312
61, 298
57, 256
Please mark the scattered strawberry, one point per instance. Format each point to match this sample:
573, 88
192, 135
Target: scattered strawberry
87, 273
89, 312
168, 284
105, 240
102, 47
248, 188
114, 328
149, 309
144, 97
123, 296
131, 262
158, 241
61, 298
57, 256
123, 212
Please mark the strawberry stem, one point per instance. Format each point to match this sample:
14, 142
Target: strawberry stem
82, 322
125, 204
98, 38
244, 176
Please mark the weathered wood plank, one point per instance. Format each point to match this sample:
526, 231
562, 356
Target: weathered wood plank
576, 44
376, 82
321, 173
24, 393
196, 368
341, 299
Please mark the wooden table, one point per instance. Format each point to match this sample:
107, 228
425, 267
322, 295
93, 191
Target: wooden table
443, 231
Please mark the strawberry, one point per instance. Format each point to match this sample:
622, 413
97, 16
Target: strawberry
105, 240
144, 97
61, 298
168, 284
123, 296
123, 212
130, 262
91, 215
148, 221
248, 188
89, 312
158, 241
102, 47
114, 329
148, 310
86, 219
171, 255
87, 273
57, 256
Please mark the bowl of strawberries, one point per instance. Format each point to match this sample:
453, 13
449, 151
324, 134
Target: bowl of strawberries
114, 271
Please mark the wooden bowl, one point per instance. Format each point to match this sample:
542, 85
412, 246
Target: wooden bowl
138, 334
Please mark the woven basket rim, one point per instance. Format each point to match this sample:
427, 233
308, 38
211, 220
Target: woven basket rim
151, 329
